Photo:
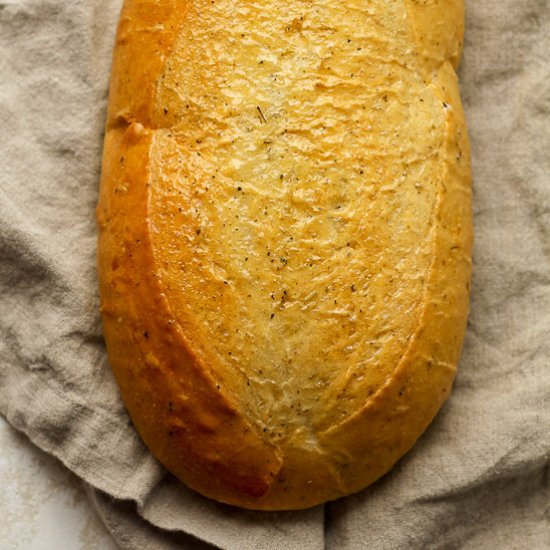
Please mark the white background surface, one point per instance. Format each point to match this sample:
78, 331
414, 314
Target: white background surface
42, 505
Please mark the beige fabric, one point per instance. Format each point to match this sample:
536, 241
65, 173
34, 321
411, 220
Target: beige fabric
478, 479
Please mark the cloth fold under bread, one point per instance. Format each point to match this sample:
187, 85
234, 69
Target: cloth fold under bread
479, 476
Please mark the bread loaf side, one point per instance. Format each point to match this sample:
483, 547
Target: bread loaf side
285, 238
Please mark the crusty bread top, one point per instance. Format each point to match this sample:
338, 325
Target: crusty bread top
285, 238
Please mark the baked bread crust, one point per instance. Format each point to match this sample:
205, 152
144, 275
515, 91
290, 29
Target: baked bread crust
282, 330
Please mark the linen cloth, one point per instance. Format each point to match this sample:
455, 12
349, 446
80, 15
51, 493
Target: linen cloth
478, 479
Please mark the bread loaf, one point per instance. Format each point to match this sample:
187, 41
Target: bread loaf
285, 237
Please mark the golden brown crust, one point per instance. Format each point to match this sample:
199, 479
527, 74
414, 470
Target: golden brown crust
204, 364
